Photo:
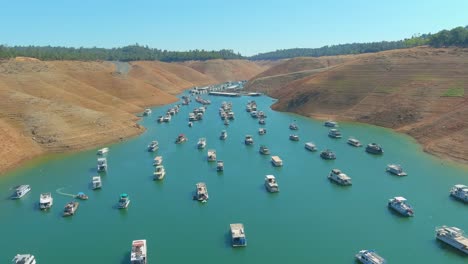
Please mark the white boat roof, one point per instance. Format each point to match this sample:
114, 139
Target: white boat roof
275, 158
270, 177
158, 158
400, 198
96, 178
344, 176
310, 144
460, 186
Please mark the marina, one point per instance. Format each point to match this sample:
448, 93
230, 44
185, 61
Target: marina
238, 195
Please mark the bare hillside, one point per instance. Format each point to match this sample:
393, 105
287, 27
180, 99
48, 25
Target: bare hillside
420, 91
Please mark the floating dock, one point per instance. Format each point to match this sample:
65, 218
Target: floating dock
225, 94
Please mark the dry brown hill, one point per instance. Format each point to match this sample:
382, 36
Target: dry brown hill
420, 91
56, 106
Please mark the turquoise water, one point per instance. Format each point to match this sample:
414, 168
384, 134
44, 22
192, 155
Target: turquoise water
310, 221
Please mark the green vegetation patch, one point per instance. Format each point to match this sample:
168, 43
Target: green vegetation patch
454, 92
386, 89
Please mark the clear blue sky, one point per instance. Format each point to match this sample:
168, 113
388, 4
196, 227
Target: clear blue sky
248, 27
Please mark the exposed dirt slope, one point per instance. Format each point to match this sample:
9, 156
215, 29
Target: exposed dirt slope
57, 106
401, 89
231, 70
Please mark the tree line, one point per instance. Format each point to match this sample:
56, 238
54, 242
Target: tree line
127, 53
454, 37
445, 38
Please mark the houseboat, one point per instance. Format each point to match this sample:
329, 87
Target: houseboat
294, 137
248, 140
454, 237
103, 151
138, 253
400, 205
201, 193
201, 144
262, 131
339, 177
396, 169
153, 146
223, 135
264, 150
70, 208
124, 201
220, 165
310, 146
158, 160
354, 142
24, 259
460, 192
374, 148
334, 133
270, 183
330, 123
147, 112
369, 257
96, 182
46, 201
160, 119
261, 121
276, 161
21, 191
180, 139
101, 164
293, 126
159, 172
211, 156
238, 238
327, 154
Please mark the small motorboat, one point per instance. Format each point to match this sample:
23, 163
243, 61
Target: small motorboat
81, 196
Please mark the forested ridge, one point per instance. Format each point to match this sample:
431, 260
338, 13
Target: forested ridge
454, 37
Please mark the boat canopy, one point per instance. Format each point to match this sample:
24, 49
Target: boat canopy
124, 195
81, 193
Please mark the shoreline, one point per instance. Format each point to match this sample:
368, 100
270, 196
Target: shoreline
443, 157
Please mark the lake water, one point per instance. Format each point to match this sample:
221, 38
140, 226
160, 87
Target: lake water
311, 220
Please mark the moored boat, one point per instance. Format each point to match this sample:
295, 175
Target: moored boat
354, 142
124, 201
310, 146
96, 182
190, 124
327, 154
270, 183
147, 112
276, 161
238, 238
334, 133
294, 137
264, 150
101, 164
400, 205
153, 146
220, 165
262, 131
160, 119
159, 172
223, 135
460, 192
261, 121
158, 160
81, 196
339, 177
248, 140
70, 208
330, 123
46, 201
24, 259
396, 169
374, 148
103, 151
138, 253
201, 193
180, 139
454, 237
201, 144
21, 191
293, 126
369, 257
211, 156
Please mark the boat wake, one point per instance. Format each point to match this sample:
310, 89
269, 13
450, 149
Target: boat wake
59, 191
